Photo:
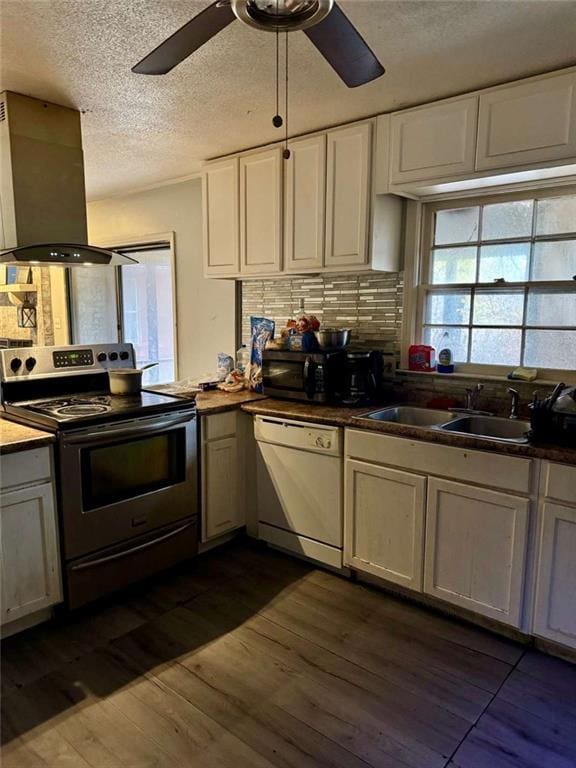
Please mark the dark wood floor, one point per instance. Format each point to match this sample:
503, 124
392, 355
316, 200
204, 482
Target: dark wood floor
248, 658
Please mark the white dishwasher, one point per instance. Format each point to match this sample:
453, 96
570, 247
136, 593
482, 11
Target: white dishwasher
299, 487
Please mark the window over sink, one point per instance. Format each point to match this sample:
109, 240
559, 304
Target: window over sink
498, 274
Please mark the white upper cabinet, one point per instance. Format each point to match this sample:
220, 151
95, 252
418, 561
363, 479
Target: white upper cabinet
261, 212
221, 209
348, 196
476, 549
434, 141
528, 123
305, 202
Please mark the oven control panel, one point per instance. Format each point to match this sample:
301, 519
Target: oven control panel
71, 358
25, 363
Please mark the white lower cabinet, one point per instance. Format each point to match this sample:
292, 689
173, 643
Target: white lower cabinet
476, 544
555, 609
29, 555
384, 528
223, 503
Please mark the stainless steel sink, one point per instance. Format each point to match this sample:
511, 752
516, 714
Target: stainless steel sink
491, 427
411, 416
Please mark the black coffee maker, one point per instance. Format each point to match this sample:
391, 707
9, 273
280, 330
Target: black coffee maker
362, 376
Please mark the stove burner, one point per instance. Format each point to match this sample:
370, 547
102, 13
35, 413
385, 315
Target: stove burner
75, 406
81, 410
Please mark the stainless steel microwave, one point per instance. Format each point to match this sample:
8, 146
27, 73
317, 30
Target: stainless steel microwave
309, 376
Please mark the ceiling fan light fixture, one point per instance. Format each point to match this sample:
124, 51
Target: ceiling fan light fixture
281, 15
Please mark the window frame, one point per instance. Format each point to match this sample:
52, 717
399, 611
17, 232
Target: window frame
418, 283
140, 243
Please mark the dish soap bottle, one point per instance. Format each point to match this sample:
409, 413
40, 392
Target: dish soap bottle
445, 357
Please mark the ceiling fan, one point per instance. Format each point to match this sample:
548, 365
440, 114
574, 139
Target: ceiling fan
322, 21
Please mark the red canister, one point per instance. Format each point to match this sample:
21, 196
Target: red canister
421, 357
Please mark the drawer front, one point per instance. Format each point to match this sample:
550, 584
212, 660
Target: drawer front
26, 467
507, 472
220, 425
560, 482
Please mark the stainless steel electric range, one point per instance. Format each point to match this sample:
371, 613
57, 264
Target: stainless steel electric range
126, 466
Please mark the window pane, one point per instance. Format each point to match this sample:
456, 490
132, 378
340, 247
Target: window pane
459, 225
551, 308
454, 265
147, 305
550, 349
94, 310
554, 261
458, 341
498, 308
556, 215
507, 220
495, 346
509, 262
452, 308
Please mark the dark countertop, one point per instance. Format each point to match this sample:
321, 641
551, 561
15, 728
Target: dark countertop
216, 401
16, 437
349, 417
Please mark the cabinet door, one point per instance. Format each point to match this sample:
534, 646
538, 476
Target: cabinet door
384, 523
261, 212
528, 123
221, 222
476, 549
555, 612
348, 196
305, 200
223, 508
434, 142
29, 558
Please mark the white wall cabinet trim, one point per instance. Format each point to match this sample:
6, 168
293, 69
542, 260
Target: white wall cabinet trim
261, 212
384, 523
434, 141
476, 543
220, 220
29, 558
305, 204
527, 123
348, 178
555, 609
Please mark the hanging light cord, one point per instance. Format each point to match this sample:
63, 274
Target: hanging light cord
286, 150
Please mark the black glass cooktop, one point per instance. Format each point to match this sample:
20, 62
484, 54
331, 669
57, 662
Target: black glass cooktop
91, 408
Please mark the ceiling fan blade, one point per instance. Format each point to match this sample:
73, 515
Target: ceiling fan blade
344, 49
186, 40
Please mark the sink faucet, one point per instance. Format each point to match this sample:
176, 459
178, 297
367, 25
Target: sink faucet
514, 404
472, 397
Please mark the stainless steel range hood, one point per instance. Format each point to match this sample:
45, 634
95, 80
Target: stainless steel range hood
42, 194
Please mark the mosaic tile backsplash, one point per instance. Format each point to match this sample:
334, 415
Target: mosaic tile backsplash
369, 304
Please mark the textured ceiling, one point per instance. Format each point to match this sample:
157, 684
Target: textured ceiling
140, 130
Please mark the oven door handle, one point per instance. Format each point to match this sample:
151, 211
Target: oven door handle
136, 429
126, 552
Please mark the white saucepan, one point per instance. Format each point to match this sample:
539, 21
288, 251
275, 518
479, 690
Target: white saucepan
127, 381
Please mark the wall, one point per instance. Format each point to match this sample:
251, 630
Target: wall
369, 304
43, 334
206, 308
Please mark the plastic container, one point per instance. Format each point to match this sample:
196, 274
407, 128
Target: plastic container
242, 359
421, 357
445, 357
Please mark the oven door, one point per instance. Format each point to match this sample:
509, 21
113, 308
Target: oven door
125, 479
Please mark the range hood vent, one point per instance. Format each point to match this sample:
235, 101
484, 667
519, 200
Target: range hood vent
42, 193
